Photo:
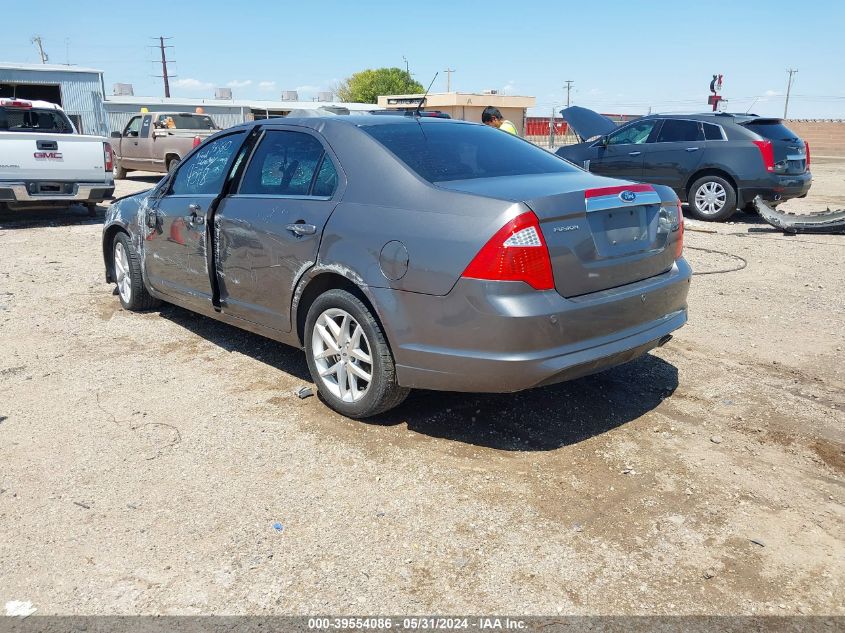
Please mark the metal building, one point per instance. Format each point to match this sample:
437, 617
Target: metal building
78, 90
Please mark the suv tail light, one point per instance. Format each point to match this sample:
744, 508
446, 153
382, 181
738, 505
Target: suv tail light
197, 141
807, 152
768, 154
517, 252
108, 157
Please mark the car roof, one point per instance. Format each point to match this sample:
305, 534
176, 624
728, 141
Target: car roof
356, 120
714, 117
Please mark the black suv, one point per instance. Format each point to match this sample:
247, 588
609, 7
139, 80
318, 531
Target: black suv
714, 161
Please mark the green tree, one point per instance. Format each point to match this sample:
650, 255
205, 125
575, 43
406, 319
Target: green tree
367, 85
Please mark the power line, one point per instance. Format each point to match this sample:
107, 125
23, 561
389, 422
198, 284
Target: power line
791, 72
36, 39
449, 72
164, 74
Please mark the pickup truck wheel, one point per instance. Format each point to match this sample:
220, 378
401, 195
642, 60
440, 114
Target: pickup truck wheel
712, 199
119, 172
127, 274
349, 358
172, 164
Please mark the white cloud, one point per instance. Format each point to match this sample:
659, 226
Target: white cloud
309, 89
237, 83
266, 86
772, 93
509, 87
192, 84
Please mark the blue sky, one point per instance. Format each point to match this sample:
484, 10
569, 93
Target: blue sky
623, 56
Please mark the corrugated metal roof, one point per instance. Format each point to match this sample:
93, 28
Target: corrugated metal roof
49, 68
253, 104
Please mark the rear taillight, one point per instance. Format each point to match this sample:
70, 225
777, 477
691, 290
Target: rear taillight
679, 245
807, 152
197, 141
517, 252
108, 157
768, 154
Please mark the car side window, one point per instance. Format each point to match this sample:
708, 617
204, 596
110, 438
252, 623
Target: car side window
713, 132
133, 127
206, 170
326, 181
634, 134
680, 130
284, 164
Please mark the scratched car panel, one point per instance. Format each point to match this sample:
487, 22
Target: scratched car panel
407, 253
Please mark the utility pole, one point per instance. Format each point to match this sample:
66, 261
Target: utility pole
552, 129
164, 74
791, 72
449, 72
569, 83
36, 39
407, 69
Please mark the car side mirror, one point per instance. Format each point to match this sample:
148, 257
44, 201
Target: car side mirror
115, 135
604, 140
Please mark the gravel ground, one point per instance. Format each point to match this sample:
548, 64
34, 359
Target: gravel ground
159, 463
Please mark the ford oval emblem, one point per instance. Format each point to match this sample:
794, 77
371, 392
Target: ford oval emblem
627, 196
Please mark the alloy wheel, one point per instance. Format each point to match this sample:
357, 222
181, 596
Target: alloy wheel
710, 198
342, 354
122, 273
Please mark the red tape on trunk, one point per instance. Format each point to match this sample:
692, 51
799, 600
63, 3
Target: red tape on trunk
615, 191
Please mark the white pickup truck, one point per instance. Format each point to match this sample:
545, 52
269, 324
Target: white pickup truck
45, 163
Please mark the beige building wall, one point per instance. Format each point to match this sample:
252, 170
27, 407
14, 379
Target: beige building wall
467, 106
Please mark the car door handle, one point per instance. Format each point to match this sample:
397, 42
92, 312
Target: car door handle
692, 149
300, 228
195, 216
634, 153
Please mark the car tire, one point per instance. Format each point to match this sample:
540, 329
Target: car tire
119, 172
712, 199
338, 321
127, 275
172, 164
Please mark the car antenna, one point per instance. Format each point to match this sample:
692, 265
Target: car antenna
420, 104
752, 105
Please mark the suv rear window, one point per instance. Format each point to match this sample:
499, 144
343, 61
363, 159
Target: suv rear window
772, 129
184, 122
34, 120
440, 151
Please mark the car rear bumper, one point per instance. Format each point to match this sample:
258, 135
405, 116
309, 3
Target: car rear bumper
505, 337
28, 192
776, 188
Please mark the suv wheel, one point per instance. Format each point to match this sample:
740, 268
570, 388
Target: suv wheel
712, 199
348, 357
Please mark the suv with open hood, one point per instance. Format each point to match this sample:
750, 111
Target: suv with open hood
717, 162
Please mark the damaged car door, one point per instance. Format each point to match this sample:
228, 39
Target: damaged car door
175, 258
267, 232
620, 154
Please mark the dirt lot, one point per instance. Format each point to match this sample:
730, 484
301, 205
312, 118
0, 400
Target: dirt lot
145, 458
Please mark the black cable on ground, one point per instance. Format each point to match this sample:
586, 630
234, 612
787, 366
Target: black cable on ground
743, 261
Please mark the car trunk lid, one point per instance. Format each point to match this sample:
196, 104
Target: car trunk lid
790, 152
600, 234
